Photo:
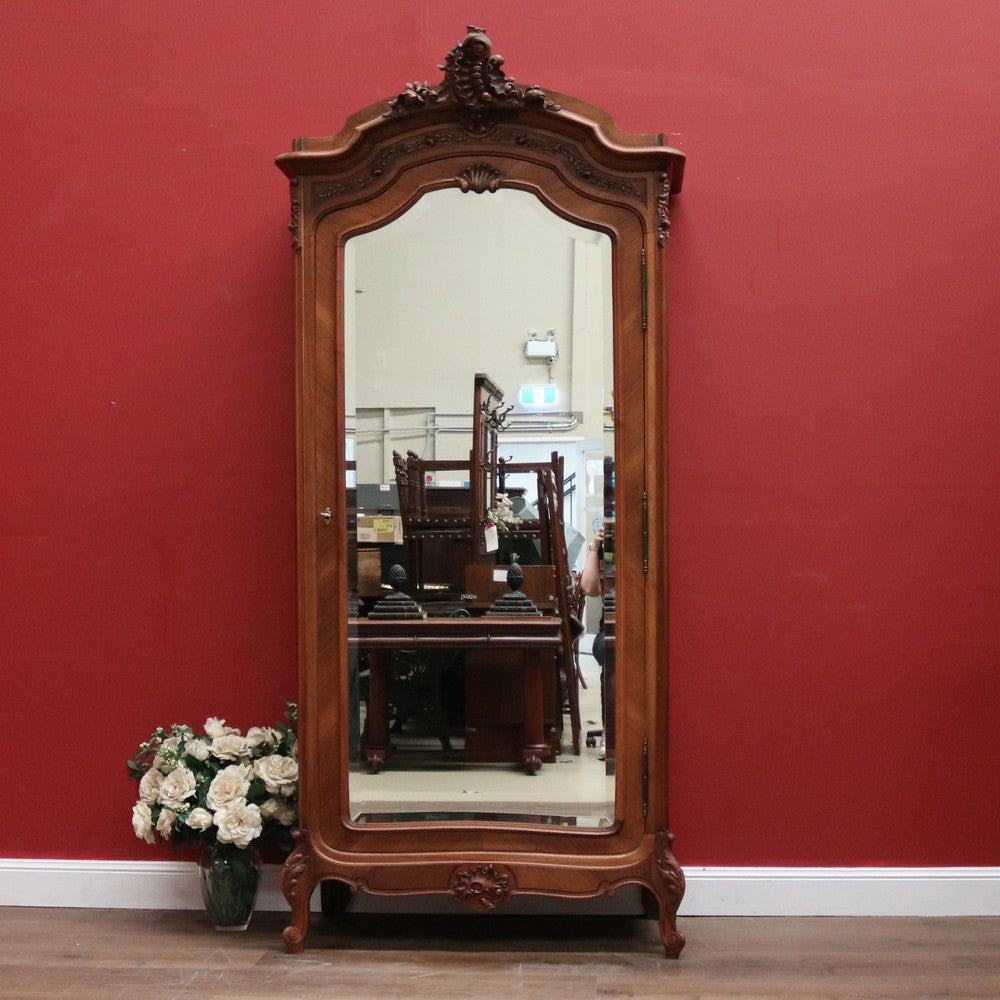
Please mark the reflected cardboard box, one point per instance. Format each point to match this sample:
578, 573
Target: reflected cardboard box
369, 572
380, 530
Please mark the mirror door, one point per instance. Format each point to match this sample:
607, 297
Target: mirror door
458, 284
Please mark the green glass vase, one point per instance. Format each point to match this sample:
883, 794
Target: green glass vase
230, 878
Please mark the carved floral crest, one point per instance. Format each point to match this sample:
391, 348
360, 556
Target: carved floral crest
482, 887
473, 80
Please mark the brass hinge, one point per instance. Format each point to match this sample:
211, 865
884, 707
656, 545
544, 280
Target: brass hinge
645, 533
645, 776
644, 287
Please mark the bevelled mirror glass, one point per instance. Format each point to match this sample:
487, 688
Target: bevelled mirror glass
541, 329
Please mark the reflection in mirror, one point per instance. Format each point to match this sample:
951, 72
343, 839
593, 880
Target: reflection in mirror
480, 437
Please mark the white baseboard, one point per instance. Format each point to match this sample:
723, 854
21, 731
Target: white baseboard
836, 892
716, 891
130, 885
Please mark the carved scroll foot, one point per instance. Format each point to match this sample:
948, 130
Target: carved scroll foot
668, 887
297, 885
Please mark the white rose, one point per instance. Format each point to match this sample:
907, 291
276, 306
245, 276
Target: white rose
217, 727
230, 747
165, 824
259, 736
177, 786
149, 786
238, 824
199, 819
198, 749
287, 815
278, 773
229, 786
142, 822
280, 810
166, 754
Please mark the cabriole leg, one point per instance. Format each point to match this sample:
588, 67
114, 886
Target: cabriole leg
668, 887
297, 882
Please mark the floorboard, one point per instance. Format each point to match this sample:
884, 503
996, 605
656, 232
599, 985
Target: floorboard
175, 955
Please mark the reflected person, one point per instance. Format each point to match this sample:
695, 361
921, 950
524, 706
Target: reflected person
591, 586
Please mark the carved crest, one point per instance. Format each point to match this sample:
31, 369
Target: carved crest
474, 81
482, 887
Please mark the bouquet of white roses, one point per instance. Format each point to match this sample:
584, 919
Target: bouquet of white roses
219, 786
502, 513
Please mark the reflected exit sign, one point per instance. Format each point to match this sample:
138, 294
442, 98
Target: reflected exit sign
538, 395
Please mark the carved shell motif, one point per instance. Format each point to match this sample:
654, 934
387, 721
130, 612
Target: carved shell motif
482, 887
479, 177
474, 80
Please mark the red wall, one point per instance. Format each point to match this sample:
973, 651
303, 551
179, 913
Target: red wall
835, 483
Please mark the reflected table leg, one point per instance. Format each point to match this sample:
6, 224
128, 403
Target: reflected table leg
535, 747
376, 745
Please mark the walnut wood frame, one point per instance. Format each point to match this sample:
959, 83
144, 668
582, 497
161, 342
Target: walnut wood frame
481, 131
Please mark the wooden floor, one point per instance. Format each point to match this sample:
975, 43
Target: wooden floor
175, 955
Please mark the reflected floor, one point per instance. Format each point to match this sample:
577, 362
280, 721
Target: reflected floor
572, 791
